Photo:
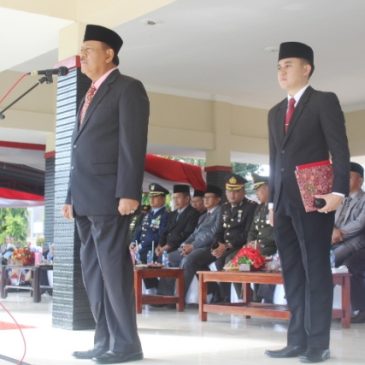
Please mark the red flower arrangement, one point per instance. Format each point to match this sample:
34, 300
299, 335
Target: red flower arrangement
249, 255
23, 256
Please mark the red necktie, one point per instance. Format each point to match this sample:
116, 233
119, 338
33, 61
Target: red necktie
88, 98
289, 113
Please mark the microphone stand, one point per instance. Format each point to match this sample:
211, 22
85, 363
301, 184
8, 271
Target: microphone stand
47, 78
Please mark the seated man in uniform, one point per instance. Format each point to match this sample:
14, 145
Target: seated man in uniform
153, 223
260, 235
235, 221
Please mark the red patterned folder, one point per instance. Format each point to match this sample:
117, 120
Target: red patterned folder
314, 178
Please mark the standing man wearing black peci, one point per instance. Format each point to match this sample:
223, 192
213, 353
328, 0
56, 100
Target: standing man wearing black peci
107, 164
307, 126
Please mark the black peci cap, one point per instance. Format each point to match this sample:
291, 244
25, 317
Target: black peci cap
181, 188
214, 190
198, 193
99, 33
355, 167
297, 50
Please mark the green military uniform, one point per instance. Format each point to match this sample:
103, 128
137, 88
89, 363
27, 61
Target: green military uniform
262, 232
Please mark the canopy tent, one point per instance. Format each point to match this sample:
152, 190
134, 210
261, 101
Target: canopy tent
20, 186
10, 198
168, 172
23, 186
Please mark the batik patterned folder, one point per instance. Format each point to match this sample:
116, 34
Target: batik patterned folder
314, 178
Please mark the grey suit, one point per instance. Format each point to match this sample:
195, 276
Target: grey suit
350, 219
107, 164
202, 239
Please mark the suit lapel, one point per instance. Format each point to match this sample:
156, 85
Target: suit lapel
279, 120
102, 91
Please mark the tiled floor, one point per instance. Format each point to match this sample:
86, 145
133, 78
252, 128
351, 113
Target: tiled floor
168, 337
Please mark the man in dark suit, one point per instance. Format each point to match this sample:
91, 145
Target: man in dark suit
180, 224
107, 163
194, 250
308, 128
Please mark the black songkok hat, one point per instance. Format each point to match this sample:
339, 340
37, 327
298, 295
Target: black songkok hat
157, 189
235, 182
98, 33
181, 188
355, 167
297, 50
198, 193
259, 180
214, 190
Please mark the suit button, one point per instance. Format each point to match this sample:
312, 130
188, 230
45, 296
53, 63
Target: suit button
282, 169
72, 167
282, 152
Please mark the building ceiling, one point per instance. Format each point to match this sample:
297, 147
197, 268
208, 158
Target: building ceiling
211, 49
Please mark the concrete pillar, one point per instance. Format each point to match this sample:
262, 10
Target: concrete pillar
70, 304
218, 160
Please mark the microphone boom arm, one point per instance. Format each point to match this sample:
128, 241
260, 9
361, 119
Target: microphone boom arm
46, 78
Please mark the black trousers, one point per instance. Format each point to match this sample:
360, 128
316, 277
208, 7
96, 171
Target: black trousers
304, 241
356, 266
108, 277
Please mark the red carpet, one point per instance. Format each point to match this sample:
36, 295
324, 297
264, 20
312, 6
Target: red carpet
11, 326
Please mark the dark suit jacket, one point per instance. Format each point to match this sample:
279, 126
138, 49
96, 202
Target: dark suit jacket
108, 150
178, 230
317, 130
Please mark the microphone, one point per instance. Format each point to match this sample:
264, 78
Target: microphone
61, 71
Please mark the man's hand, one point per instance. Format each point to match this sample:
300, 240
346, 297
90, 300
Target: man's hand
186, 248
127, 206
337, 236
219, 251
160, 249
333, 201
67, 211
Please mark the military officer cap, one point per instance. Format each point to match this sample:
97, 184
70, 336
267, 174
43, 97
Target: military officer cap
157, 189
235, 182
355, 167
181, 188
214, 190
198, 193
259, 180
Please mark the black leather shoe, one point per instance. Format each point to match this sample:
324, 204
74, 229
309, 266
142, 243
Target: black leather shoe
111, 357
315, 355
359, 318
89, 354
288, 351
